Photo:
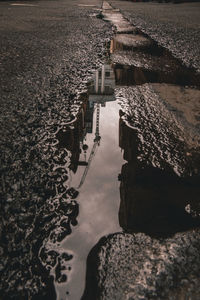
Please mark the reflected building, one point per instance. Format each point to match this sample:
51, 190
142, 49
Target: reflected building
74, 137
89, 117
102, 87
82, 139
154, 201
101, 90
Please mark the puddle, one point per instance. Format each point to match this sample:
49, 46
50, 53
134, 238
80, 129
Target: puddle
101, 183
95, 164
133, 145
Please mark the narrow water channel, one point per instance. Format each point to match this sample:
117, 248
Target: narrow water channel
134, 162
96, 179
106, 205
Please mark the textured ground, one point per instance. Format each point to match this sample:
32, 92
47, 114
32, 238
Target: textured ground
164, 142
48, 50
157, 256
174, 26
139, 267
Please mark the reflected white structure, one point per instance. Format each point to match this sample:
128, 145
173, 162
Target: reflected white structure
101, 91
99, 195
102, 88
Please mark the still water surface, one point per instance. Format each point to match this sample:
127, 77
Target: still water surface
65, 192
140, 70
99, 197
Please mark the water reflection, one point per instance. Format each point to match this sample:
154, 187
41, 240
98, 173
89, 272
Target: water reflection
74, 138
154, 201
158, 203
153, 198
94, 164
102, 89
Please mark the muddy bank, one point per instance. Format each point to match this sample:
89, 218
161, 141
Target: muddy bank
156, 256
159, 97
46, 112
139, 267
47, 55
164, 142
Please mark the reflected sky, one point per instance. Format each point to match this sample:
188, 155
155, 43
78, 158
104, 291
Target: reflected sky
96, 179
99, 197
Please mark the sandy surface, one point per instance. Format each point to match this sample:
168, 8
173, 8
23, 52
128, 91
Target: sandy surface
184, 100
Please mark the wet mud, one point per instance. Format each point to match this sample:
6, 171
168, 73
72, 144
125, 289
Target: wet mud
159, 98
156, 255
136, 266
45, 69
88, 191
154, 201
